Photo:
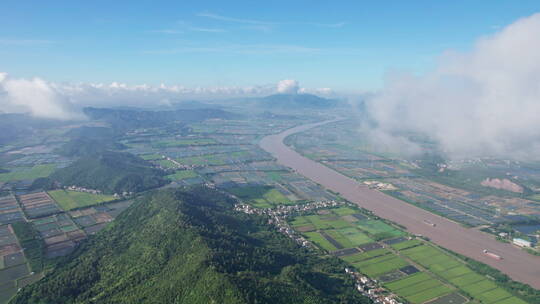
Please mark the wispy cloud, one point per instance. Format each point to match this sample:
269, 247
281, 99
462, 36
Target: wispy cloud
252, 49
330, 25
25, 42
235, 20
267, 24
181, 27
166, 31
207, 30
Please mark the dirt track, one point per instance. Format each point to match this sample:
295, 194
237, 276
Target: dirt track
516, 263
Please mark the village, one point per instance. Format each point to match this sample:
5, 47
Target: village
368, 287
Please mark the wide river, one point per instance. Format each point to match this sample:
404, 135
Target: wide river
516, 263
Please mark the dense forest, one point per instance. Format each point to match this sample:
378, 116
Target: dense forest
190, 246
86, 141
110, 172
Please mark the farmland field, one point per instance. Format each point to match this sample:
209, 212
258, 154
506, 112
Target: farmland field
165, 163
7, 291
418, 288
377, 266
12, 273
184, 142
406, 244
320, 241
69, 200
366, 255
209, 159
260, 196
379, 229
344, 211
27, 173
151, 156
179, 175
445, 278
454, 271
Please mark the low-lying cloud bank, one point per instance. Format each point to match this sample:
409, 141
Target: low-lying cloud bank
482, 102
35, 96
65, 100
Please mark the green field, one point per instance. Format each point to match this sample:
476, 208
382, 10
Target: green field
208, 159
432, 258
475, 285
165, 163
184, 142
180, 175
340, 238
406, 244
320, 241
274, 176
418, 288
300, 221
73, 199
428, 294
377, 266
365, 255
354, 236
378, 229
151, 156
260, 196
27, 173
343, 232
344, 211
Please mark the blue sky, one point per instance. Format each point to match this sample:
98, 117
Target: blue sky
345, 45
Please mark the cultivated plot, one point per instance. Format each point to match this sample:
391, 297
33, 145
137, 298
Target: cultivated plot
69, 200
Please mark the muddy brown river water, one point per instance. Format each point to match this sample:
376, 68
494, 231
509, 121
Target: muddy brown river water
516, 263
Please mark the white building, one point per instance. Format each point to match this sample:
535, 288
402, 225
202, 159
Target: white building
521, 242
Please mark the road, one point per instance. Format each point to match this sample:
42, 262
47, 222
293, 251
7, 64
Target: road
516, 263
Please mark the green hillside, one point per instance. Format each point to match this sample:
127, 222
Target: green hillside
111, 172
178, 246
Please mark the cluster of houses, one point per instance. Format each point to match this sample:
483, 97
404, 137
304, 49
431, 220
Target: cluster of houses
82, 189
371, 289
286, 210
380, 185
364, 285
93, 191
277, 216
123, 194
531, 243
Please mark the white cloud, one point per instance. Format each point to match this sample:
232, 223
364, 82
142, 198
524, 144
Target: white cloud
482, 102
64, 100
35, 96
288, 86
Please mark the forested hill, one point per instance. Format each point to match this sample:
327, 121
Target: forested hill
179, 246
110, 172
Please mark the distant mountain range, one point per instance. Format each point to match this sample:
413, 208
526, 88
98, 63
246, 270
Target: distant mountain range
289, 101
298, 101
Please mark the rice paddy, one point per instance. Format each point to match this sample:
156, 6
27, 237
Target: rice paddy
69, 200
